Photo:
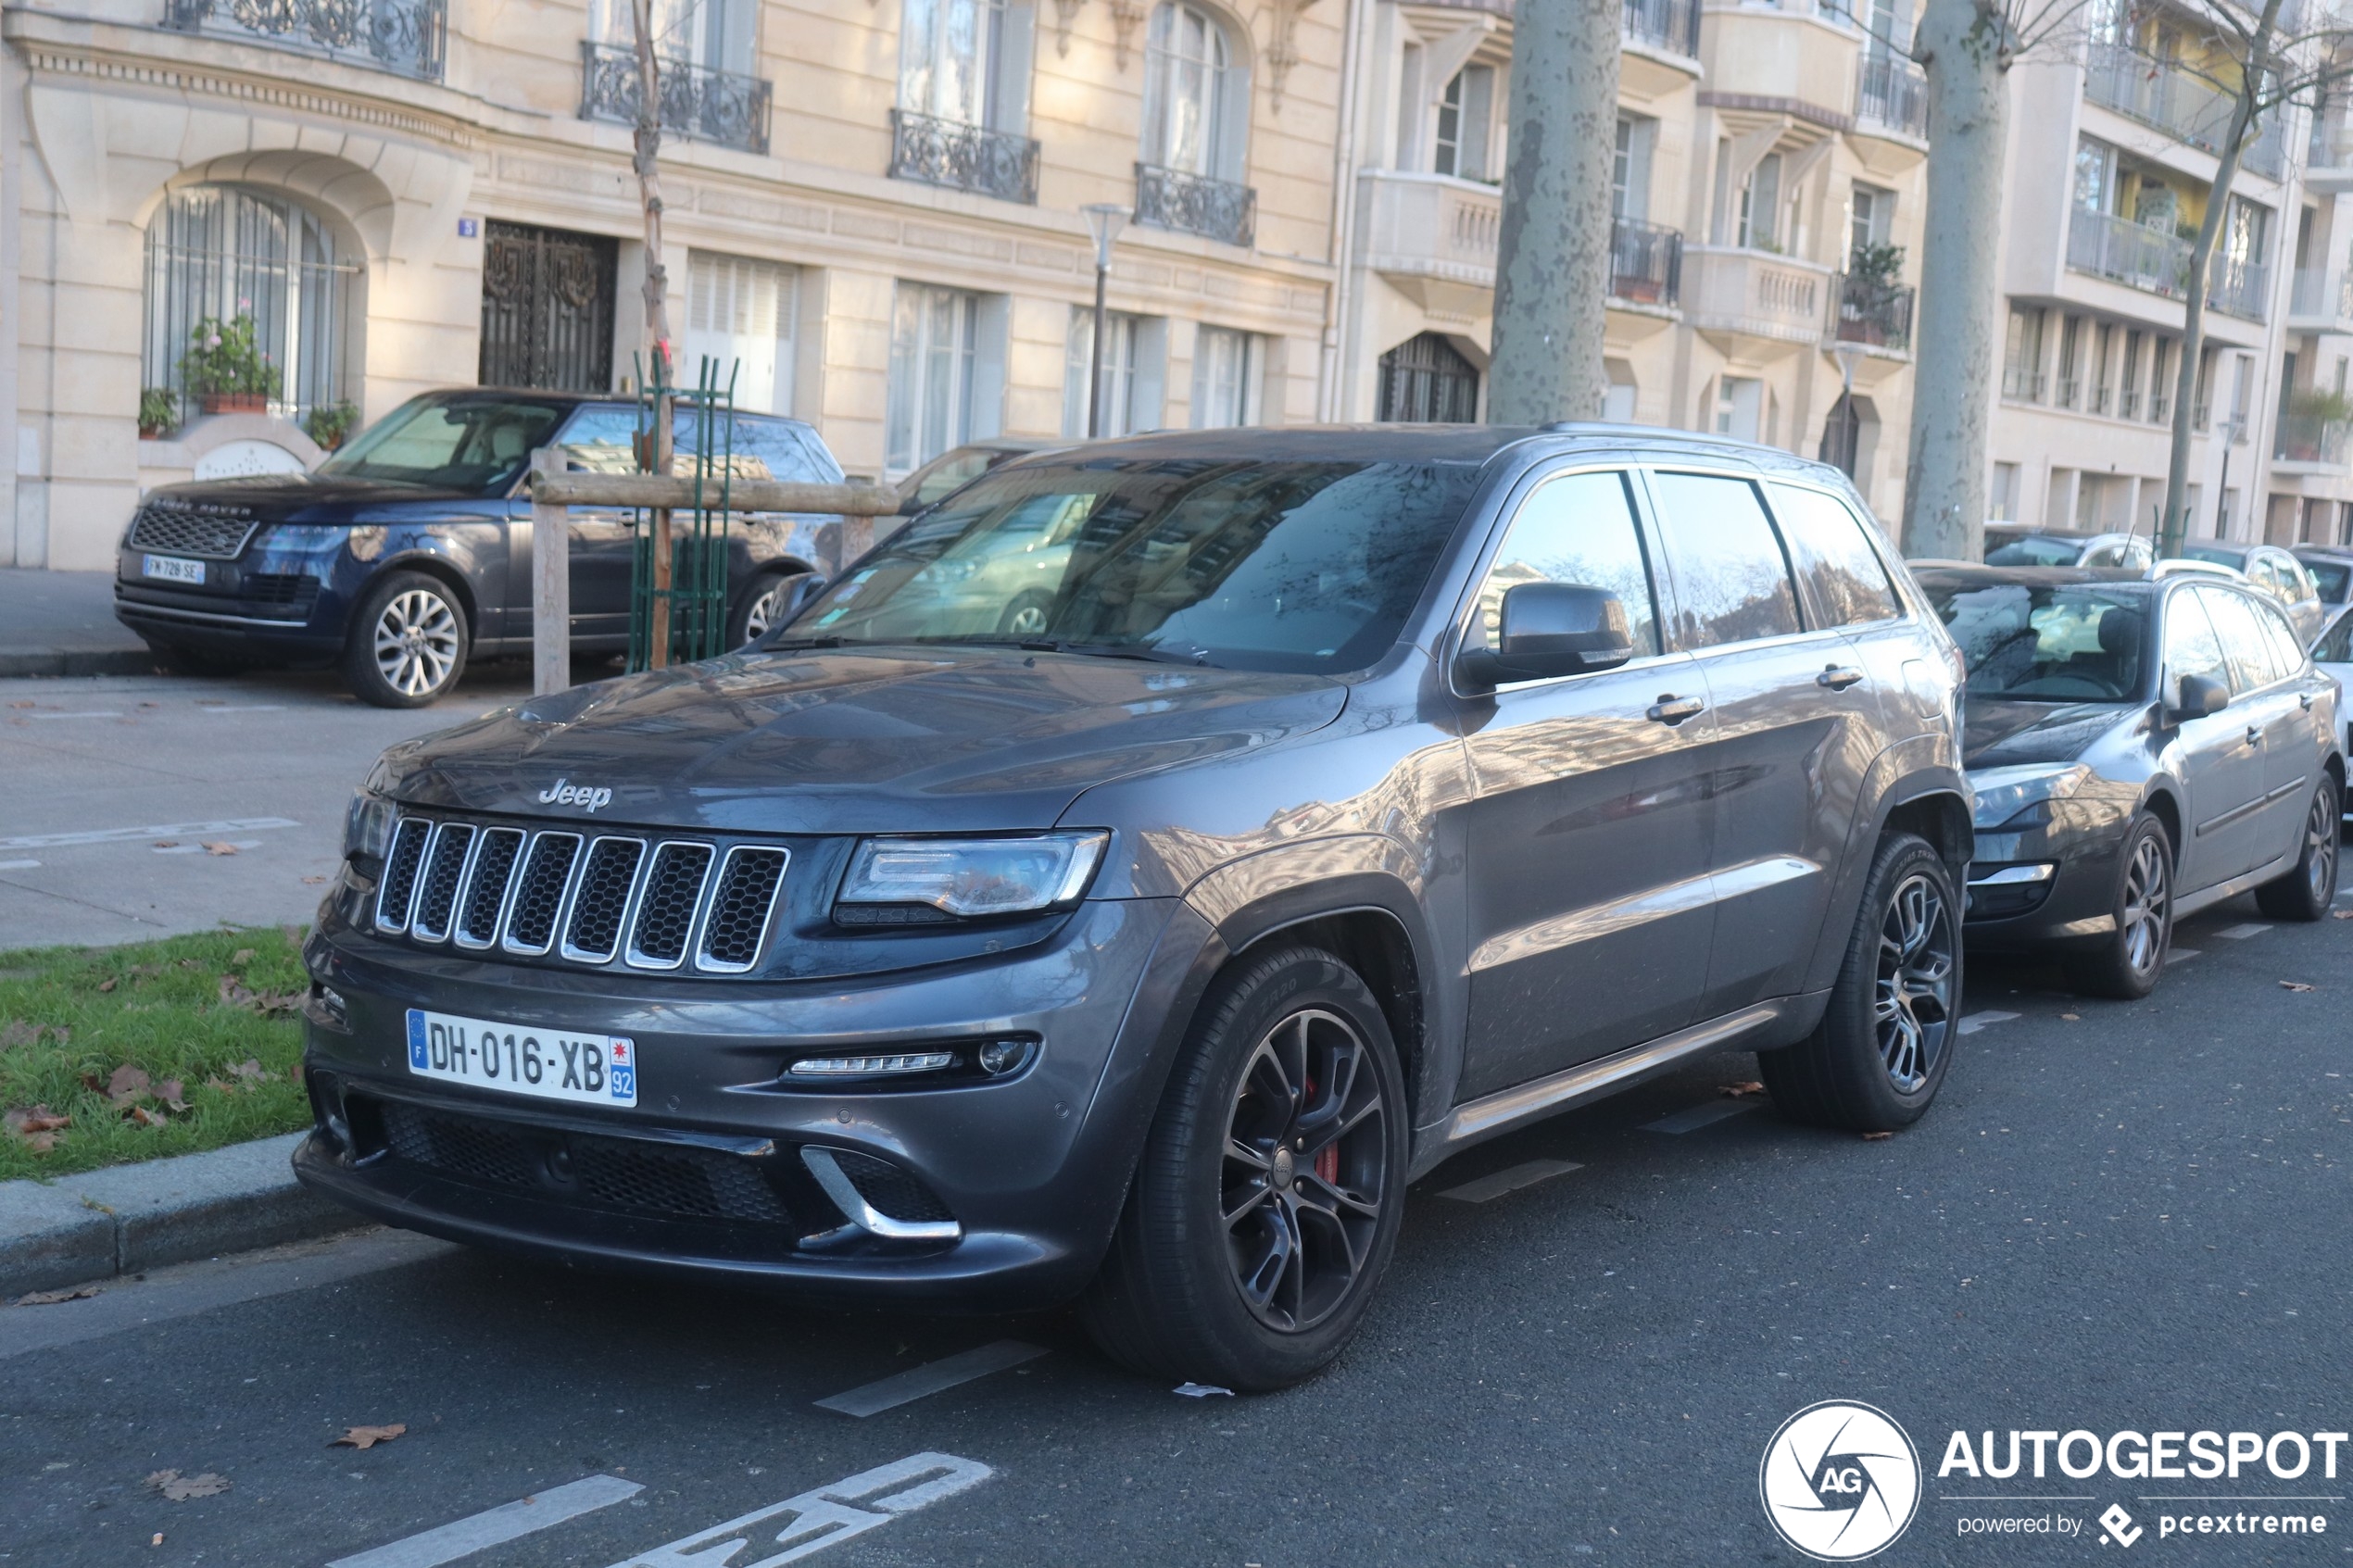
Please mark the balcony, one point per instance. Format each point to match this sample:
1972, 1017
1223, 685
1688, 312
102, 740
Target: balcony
1756, 294
405, 37
2184, 105
2318, 303
2328, 156
932, 151
1194, 203
1426, 229
1671, 25
1890, 92
1876, 314
2157, 260
1646, 263
2311, 442
698, 103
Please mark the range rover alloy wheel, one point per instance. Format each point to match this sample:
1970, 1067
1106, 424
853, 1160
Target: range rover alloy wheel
408, 641
1266, 1202
767, 602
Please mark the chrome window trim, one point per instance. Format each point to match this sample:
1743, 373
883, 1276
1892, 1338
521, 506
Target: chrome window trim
563, 895
703, 961
564, 949
630, 955
505, 896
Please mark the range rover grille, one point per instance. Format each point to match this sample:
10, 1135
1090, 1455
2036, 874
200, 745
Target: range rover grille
651, 903
192, 528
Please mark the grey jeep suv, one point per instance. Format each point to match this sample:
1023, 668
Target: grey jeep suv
1357, 794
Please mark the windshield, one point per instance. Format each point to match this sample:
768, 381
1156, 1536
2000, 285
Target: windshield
477, 444
2034, 550
2330, 577
2065, 643
602, 439
1299, 566
2216, 555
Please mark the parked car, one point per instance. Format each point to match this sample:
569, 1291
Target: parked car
2334, 656
1366, 793
2015, 545
2276, 572
2139, 750
961, 465
408, 550
2332, 569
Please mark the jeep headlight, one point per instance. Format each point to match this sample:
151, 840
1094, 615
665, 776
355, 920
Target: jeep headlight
963, 878
2003, 792
367, 827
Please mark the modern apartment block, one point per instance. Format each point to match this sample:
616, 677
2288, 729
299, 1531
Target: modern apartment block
2113, 153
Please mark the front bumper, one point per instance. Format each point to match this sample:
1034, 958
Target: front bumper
706, 1176
2074, 901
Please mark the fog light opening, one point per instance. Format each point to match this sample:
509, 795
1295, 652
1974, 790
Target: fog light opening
997, 1057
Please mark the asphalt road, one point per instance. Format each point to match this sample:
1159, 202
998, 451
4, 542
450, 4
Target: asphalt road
111, 787
2117, 1217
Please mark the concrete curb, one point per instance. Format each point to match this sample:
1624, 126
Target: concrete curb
78, 661
129, 1218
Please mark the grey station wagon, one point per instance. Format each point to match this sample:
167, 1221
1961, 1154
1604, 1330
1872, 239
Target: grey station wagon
1353, 796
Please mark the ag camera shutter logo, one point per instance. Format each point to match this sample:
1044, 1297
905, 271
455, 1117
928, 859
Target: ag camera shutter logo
1840, 1481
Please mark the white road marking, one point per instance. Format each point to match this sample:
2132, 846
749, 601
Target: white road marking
1977, 1020
916, 1383
241, 707
463, 1537
48, 716
2241, 933
2175, 955
162, 830
1698, 1116
1488, 1188
826, 1516
18, 865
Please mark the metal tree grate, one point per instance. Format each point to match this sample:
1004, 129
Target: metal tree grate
698, 591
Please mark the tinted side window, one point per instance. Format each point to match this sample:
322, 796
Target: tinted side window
1578, 528
2287, 654
1847, 578
1731, 578
2336, 646
2242, 641
2191, 646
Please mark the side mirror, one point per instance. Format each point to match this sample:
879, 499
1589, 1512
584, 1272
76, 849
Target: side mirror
1550, 629
2201, 695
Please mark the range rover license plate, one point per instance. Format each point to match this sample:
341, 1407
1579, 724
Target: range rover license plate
585, 1068
172, 568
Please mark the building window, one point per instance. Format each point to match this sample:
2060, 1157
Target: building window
935, 353
966, 62
221, 252
1870, 219
1227, 368
1630, 174
1740, 406
2004, 498
2161, 373
1131, 391
1466, 119
740, 314
2070, 365
2022, 356
1196, 97
2128, 401
1426, 380
1757, 227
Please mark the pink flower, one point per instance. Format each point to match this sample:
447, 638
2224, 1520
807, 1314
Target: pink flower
244, 305
213, 342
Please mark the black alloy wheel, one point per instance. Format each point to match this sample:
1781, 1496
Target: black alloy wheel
1917, 981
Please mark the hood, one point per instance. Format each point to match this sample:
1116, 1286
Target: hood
309, 497
891, 740
1999, 734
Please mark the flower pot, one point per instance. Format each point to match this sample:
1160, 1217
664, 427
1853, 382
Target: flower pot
233, 403
153, 433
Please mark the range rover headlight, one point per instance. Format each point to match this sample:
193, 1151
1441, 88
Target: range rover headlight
963, 878
367, 827
2003, 792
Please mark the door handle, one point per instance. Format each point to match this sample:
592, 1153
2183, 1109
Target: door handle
1671, 710
1838, 677
2254, 735
2304, 701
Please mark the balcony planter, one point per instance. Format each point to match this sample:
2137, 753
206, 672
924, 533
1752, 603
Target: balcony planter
233, 402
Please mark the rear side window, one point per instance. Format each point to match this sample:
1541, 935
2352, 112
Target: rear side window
2336, 646
1835, 557
1731, 578
1578, 528
2244, 643
2287, 654
2191, 646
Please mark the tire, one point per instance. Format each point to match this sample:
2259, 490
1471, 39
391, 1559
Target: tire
2127, 963
1232, 1264
2307, 892
1025, 617
1870, 1068
767, 601
408, 641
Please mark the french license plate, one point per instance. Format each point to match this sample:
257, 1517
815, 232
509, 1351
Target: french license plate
171, 568
549, 1064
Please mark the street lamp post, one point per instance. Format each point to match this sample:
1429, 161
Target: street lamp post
1849, 426
1104, 219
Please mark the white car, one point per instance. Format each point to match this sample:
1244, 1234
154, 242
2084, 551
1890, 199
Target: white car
2333, 654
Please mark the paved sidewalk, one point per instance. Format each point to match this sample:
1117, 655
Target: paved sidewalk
62, 623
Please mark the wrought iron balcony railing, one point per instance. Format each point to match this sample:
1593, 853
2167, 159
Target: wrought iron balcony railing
1672, 25
696, 102
409, 37
1873, 312
963, 157
1194, 203
1646, 263
1893, 91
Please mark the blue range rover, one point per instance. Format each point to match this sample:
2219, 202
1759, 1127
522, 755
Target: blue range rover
410, 550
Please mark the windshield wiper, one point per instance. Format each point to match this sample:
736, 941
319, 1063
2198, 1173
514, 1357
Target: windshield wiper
783, 643
1115, 650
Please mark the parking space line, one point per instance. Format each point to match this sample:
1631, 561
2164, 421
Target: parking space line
462, 1538
19, 865
916, 1383
1692, 1118
2241, 933
48, 716
1490, 1187
1977, 1020
161, 830
823, 1517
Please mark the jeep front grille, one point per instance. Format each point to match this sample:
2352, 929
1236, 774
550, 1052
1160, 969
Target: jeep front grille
192, 528
650, 903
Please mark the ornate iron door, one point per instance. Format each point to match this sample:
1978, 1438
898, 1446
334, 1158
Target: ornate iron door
547, 308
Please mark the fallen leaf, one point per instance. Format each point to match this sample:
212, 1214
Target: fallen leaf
368, 1436
2341, 914
16, 1032
250, 1068
174, 1093
1736, 1090
179, 1488
166, 844
1877, 1137
140, 1115
236, 994
39, 1119
159, 1540
293, 933
92, 1081
128, 1084
25, 704
313, 881
107, 984
51, 1298
186, 963
2073, 1017
217, 847
2294, 986
240, 958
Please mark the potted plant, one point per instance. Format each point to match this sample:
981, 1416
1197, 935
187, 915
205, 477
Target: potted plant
330, 423
225, 370
158, 413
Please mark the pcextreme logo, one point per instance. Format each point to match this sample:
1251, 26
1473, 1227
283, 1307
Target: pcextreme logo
1840, 1481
